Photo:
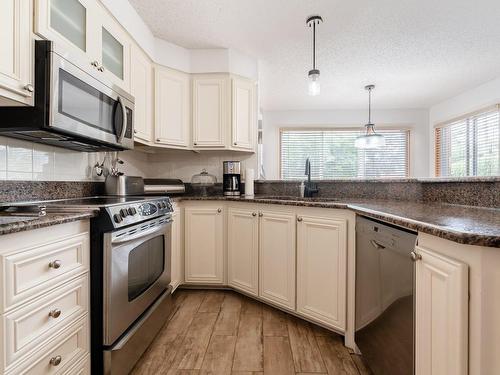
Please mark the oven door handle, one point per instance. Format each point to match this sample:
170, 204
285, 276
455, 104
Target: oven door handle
142, 234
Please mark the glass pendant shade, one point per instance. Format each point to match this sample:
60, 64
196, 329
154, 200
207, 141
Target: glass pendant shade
370, 139
314, 86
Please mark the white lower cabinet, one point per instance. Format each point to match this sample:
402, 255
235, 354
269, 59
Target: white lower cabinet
176, 251
441, 342
204, 244
277, 258
44, 294
243, 250
321, 269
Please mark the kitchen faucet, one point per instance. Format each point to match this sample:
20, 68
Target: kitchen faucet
310, 188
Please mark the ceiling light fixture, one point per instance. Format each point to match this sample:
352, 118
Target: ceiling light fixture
370, 139
314, 88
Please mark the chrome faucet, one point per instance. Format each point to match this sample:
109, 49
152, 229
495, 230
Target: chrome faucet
310, 188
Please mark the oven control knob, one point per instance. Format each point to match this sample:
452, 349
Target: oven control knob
159, 205
124, 212
117, 218
163, 205
132, 211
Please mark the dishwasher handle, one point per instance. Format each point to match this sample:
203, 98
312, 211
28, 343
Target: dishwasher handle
377, 245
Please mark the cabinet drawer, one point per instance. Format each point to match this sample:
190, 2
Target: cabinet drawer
31, 325
69, 347
81, 368
31, 271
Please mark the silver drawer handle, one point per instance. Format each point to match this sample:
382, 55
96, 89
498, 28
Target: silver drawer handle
415, 256
219, 210
55, 361
261, 214
101, 69
56, 313
254, 214
299, 219
55, 264
95, 64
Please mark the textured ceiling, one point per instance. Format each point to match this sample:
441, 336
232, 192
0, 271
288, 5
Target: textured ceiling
417, 52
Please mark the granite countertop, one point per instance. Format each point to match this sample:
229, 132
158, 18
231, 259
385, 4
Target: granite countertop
462, 224
43, 221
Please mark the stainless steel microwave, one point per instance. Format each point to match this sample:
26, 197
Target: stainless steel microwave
73, 109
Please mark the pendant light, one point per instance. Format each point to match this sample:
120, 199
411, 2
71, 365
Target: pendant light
314, 87
370, 139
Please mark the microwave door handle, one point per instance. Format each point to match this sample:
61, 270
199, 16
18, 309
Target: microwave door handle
124, 120
142, 234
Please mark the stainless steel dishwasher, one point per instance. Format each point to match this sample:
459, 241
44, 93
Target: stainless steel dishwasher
384, 296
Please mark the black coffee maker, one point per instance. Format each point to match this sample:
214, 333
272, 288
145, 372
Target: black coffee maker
231, 178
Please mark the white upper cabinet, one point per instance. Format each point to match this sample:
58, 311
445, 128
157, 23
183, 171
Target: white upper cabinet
172, 108
141, 87
322, 269
441, 316
243, 249
244, 114
224, 112
89, 35
114, 52
16, 57
211, 114
277, 258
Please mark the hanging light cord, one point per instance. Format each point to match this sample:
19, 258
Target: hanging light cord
369, 106
314, 45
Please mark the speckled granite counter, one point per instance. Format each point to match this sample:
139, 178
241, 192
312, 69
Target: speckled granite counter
45, 221
462, 224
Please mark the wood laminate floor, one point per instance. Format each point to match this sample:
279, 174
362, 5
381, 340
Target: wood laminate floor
223, 332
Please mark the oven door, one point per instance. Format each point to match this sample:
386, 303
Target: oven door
84, 106
136, 272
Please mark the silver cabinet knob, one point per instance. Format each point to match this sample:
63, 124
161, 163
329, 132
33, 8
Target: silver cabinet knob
29, 87
235, 143
56, 313
95, 63
135, 131
254, 214
415, 256
261, 214
195, 143
55, 264
55, 361
219, 210
101, 69
299, 219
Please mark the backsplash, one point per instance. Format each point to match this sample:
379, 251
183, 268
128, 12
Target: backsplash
22, 160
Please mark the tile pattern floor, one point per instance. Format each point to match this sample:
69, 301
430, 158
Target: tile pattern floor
222, 332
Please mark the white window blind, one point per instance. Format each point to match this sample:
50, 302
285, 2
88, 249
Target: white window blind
333, 155
469, 146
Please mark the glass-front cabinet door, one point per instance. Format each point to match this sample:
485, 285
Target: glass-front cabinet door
114, 53
69, 23
88, 35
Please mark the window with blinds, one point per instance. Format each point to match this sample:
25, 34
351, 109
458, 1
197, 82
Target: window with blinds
333, 155
469, 146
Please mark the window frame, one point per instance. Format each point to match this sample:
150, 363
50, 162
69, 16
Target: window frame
381, 128
448, 123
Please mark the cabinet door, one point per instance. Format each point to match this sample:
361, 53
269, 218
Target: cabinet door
16, 65
172, 107
141, 87
114, 52
72, 25
441, 326
204, 245
210, 112
244, 117
243, 250
176, 270
277, 258
321, 269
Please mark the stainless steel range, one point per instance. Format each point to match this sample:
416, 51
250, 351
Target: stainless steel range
130, 276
